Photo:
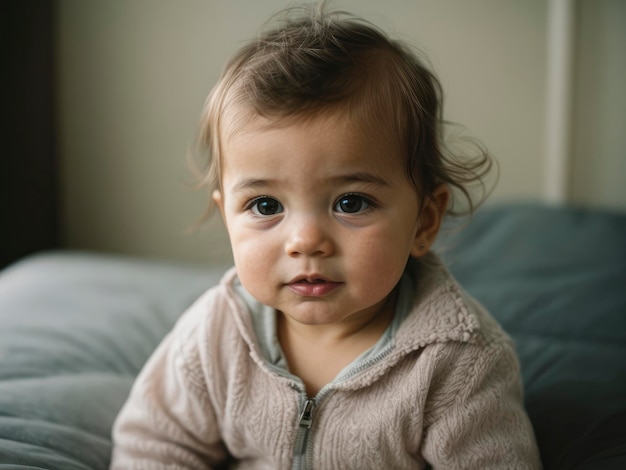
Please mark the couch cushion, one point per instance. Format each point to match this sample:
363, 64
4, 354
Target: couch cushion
74, 331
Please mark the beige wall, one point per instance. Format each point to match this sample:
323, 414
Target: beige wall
133, 76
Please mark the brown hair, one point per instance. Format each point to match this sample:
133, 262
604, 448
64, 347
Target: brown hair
314, 62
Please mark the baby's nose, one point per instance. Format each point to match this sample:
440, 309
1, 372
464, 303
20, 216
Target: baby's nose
309, 237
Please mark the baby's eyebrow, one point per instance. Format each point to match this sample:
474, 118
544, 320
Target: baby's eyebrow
361, 177
252, 183
357, 177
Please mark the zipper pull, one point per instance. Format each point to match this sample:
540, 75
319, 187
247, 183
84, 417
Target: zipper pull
306, 418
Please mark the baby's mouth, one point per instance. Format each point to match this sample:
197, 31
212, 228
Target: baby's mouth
313, 286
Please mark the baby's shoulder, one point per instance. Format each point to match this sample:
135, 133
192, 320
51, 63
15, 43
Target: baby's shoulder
446, 308
488, 332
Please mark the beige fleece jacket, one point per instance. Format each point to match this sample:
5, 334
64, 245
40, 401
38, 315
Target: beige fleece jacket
446, 392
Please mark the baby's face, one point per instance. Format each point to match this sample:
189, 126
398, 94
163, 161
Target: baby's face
321, 219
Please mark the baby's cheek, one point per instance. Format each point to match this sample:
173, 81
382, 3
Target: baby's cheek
249, 251
249, 265
257, 269
380, 270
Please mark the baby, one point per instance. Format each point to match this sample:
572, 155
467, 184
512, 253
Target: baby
339, 340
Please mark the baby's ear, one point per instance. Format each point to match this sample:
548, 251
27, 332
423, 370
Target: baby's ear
218, 200
430, 220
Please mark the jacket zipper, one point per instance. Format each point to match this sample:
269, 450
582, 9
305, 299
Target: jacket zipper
302, 437
303, 452
306, 417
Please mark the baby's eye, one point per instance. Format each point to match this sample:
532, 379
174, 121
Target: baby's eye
352, 203
265, 206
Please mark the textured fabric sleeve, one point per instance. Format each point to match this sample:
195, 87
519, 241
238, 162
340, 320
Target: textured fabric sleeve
168, 421
478, 420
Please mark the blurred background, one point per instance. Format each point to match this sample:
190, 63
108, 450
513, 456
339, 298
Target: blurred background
102, 101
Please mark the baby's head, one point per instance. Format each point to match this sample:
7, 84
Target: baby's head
314, 64
327, 165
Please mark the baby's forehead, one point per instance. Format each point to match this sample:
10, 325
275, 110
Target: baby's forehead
244, 121
266, 138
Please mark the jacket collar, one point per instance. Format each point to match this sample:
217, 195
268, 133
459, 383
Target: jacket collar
440, 310
439, 314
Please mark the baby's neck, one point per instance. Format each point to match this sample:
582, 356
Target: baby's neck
318, 353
